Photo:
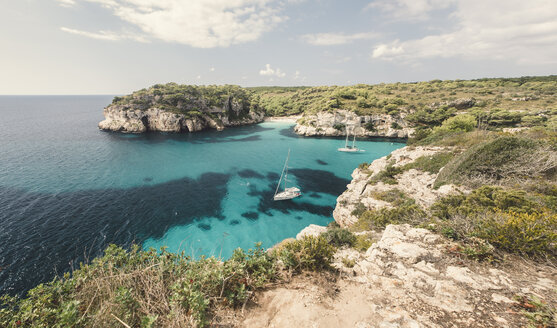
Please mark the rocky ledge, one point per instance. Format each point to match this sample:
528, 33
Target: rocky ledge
123, 119
414, 183
337, 123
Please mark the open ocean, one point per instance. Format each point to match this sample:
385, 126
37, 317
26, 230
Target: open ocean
67, 190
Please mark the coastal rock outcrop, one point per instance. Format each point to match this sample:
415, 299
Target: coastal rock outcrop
414, 183
122, 119
181, 108
338, 122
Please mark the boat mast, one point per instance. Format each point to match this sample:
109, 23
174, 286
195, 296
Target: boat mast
346, 143
354, 142
285, 168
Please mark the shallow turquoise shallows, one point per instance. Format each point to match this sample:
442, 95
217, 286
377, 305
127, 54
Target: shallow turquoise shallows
68, 189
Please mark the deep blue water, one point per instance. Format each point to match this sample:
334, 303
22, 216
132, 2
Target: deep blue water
67, 190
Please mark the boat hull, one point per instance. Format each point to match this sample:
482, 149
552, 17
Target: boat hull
288, 193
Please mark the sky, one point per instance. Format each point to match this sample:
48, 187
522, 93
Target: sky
118, 46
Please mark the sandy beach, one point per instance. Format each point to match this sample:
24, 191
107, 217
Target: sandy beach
292, 118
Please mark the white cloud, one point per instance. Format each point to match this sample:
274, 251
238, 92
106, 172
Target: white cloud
105, 35
212, 69
515, 30
198, 23
268, 71
66, 3
296, 75
333, 39
409, 9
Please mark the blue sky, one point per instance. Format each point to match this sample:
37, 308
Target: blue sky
117, 46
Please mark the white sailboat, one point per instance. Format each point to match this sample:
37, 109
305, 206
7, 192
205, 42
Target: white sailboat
287, 193
350, 149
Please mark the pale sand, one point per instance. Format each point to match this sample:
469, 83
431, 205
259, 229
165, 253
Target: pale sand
292, 118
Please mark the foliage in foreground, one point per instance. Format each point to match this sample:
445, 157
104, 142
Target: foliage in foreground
150, 289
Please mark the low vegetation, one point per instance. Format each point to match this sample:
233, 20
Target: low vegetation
138, 288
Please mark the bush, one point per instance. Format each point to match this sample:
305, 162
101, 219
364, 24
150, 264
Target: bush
370, 126
431, 164
387, 175
533, 234
373, 219
311, 253
363, 242
339, 237
459, 123
339, 126
505, 160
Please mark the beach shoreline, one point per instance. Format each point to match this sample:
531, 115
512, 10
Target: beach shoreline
292, 118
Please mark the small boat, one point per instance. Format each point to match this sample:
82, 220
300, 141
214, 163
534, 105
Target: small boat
350, 149
288, 192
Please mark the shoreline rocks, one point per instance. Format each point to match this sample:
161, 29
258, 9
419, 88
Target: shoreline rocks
337, 123
120, 118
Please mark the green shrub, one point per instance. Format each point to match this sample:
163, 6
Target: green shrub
387, 175
459, 123
370, 126
374, 219
533, 234
396, 126
311, 253
505, 160
363, 242
431, 164
394, 196
339, 126
349, 263
339, 237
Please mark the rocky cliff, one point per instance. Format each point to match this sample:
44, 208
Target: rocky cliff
414, 183
121, 119
181, 108
337, 123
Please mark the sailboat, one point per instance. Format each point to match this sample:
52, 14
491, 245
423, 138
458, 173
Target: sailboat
287, 193
350, 149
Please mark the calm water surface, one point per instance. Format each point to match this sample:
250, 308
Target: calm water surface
67, 190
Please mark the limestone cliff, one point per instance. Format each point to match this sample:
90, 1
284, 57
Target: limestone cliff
338, 122
121, 119
181, 108
414, 183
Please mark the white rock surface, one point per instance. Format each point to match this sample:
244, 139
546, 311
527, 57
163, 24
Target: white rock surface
311, 230
414, 183
322, 124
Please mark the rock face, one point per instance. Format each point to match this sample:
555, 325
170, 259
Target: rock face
380, 125
414, 183
122, 118
410, 274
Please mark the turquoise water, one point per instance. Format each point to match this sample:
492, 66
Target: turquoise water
68, 189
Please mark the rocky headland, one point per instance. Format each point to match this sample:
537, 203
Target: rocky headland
181, 108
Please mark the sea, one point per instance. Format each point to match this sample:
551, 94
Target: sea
68, 190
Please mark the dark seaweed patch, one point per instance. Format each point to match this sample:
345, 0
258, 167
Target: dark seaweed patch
319, 181
320, 162
247, 173
314, 195
234, 222
204, 226
251, 215
147, 179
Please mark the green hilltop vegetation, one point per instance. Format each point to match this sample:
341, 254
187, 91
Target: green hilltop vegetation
495, 103
510, 211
